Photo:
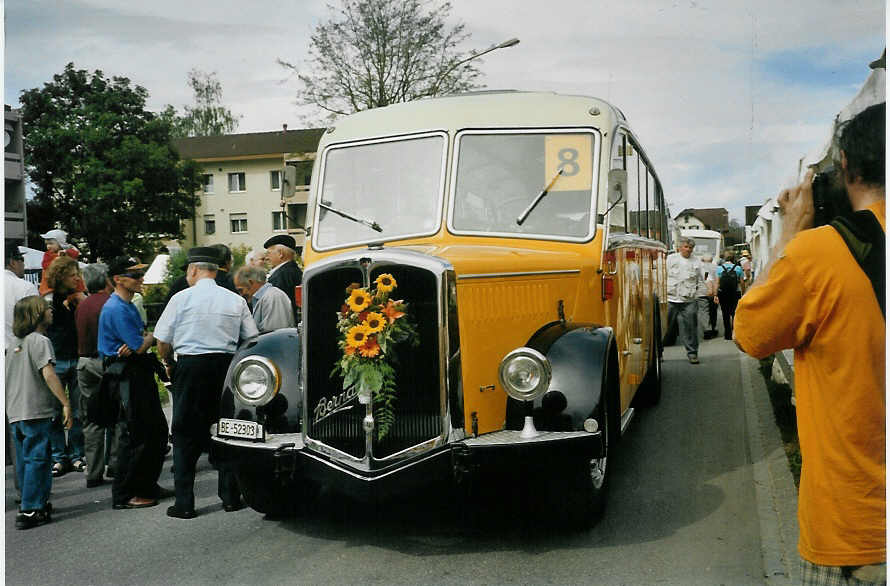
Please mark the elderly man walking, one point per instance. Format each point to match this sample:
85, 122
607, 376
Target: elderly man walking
203, 325
270, 306
685, 278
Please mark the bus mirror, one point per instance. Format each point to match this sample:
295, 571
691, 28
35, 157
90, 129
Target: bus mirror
288, 186
617, 186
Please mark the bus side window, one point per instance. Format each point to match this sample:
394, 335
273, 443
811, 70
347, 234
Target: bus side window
654, 213
662, 213
633, 189
617, 217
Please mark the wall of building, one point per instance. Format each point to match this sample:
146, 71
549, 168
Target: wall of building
245, 216
690, 223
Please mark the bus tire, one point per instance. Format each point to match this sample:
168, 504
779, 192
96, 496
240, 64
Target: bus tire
650, 388
275, 499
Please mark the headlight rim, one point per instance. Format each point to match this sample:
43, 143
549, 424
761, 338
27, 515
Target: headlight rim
545, 368
271, 390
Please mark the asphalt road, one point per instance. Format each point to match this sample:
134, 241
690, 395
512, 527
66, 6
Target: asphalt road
682, 510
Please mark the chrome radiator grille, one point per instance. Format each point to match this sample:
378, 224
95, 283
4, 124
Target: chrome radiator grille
418, 408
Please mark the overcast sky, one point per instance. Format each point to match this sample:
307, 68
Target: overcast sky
725, 95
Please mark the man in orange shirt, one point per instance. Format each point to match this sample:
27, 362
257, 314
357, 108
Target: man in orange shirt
814, 297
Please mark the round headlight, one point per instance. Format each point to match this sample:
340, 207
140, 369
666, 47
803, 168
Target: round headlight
525, 374
255, 380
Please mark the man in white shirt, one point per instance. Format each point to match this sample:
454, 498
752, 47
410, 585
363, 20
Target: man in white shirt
270, 306
685, 276
16, 287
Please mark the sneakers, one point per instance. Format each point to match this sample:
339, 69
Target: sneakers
28, 519
693, 359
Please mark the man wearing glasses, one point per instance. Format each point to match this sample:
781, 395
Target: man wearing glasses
128, 365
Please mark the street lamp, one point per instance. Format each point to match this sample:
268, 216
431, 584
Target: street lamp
503, 45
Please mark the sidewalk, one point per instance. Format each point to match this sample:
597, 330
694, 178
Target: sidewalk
773, 484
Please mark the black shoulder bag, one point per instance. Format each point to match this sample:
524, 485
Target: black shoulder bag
864, 237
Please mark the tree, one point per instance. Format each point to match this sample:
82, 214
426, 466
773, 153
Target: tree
373, 53
208, 117
104, 165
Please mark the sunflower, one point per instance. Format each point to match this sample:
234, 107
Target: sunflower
358, 300
370, 349
357, 336
374, 322
385, 283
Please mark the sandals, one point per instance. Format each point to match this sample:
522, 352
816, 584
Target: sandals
78, 466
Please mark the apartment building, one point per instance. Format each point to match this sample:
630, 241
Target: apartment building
241, 199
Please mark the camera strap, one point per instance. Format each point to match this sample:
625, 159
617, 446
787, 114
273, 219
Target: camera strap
864, 236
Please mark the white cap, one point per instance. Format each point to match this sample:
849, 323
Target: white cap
59, 236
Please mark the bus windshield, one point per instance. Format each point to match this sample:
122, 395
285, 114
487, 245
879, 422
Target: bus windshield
500, 175
706, 246
395, 186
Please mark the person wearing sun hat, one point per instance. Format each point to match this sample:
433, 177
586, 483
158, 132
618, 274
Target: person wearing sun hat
57, 245
124, 346
203, 325
284, 272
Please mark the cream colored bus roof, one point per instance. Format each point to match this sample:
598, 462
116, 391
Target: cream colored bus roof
506, 109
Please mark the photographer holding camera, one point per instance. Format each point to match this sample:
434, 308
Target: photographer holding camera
822, 294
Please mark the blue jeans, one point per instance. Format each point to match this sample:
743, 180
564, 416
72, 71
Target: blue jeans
73, 450
32, 463
686, 316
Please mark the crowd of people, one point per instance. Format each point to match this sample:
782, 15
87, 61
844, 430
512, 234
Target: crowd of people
81, 389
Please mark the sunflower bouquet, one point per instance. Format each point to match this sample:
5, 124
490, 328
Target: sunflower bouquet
370, 325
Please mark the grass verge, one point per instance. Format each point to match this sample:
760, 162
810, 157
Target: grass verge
786, 417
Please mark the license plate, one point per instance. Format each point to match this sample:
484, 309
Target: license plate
240, 429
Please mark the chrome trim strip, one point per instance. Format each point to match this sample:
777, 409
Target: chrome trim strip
398, 469
272, 443
521, 274
626, 418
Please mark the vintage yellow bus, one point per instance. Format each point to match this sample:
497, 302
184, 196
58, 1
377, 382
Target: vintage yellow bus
526, 234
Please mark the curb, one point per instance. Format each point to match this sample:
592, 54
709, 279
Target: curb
774, 488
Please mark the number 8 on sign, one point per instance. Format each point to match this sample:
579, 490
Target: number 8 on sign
572, 154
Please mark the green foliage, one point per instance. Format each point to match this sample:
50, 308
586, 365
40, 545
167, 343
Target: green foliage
174, 267
372, 53
155, 293
239, 252
104, 165
208, 117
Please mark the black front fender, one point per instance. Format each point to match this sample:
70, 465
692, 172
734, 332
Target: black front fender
282, 413
579, 358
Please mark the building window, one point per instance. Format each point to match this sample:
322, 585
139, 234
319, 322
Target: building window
275, 180
239, 223
237, 182
304, 172
208, 183
209, 224
279, 221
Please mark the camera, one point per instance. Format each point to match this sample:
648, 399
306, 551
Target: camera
829, 197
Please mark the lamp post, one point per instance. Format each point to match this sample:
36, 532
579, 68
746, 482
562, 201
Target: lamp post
503, 45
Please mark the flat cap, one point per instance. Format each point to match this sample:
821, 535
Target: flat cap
201, 254
282, 239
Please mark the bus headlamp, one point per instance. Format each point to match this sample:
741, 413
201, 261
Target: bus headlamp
525, 374
256, 380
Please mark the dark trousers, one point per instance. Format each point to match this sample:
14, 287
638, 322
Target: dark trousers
685, 315
728, 303
143, 436
197, 385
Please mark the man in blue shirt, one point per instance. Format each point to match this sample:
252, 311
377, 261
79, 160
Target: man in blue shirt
203, 325
123, 347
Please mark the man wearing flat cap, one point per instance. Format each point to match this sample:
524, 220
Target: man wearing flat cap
284, 272
203, 325
222, 278
128, 365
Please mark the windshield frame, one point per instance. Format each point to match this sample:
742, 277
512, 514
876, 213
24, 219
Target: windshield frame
594, 183
319, 192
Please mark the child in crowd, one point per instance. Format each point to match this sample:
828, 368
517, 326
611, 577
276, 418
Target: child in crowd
31, 384
56, 242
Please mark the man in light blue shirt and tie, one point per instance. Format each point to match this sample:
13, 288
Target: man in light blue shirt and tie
203, 325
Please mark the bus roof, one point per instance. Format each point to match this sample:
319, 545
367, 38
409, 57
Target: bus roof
692, 233
493, 109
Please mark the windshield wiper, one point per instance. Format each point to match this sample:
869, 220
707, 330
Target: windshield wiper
538, 199
369, 223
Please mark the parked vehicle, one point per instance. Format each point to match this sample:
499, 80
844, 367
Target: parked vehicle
706, 242
526, 234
